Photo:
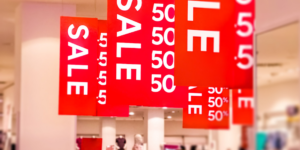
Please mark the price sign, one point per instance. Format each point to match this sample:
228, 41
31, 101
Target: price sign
243, 106
91, 144
78, 66
243, 56
204, 42
104, 109
141, 58
208, 108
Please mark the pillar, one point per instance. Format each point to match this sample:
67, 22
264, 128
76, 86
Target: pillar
37, 45
154, 124
108, 131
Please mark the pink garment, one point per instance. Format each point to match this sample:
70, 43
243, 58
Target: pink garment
137, 147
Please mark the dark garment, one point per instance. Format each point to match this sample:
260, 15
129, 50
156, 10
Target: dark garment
121, 143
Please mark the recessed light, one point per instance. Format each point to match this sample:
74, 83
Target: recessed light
169, 117
131, 113
165, 107
173, 111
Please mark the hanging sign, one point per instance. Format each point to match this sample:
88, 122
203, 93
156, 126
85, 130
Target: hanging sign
91, 144
104, 109
208, 108
83, 62
243, 106
204, 42
141, 58
78, 66
243, 54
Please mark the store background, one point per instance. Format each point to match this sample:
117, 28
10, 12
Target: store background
278, 46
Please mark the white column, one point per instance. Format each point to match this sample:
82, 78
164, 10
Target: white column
37, 47
154, 124
108, 131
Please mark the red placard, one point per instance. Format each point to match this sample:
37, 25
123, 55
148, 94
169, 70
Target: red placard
204, 42
243, 56
104, 109
78, 66
140, 62
91, 144
208, 108
243, 106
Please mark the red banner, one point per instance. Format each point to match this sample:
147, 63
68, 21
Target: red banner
91, 144
104, 109
208, 108
204, 42
243, 106
141, 58
78, 66
243, 56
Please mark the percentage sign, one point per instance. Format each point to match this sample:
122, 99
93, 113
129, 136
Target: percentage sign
225, 113
225, 100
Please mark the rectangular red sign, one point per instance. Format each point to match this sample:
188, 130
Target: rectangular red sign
104, 109
78, 66
204, 40
141, 58
91, 144
208, 108
243, 54
243, 106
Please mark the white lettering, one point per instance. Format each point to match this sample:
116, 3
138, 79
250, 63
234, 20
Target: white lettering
126, 45
246, 101
128, 4
204, 35
129, 67
70, 67
195, 107
80, 28
75, 47
200, 4
77, 85
125, 30
194, 94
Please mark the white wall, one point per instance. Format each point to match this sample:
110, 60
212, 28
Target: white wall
278, 96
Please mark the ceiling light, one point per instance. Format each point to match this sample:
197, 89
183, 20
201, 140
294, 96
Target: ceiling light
131, 113
169, 117
165, 107
173, 111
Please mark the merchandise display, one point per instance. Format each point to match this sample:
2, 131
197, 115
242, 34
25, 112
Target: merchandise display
138, 142
121, 143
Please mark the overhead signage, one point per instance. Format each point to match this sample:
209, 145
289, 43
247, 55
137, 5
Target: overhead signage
243, 105
141, 58
204, 43
82, 85
78, 66
208, 108
104, 109
243, 54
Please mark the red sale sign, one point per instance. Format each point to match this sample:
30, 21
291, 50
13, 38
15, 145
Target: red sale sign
91, 144
243, 106
78, 66
208, 108
141, 58
104, 109
243, 54
204, 40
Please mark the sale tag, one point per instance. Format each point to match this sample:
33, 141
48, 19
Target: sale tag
208, 108
104, 109
141, 58
78, 66
243, 106
91, 144
205, 38
243, 56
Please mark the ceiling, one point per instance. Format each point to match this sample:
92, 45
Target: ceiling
277, 48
